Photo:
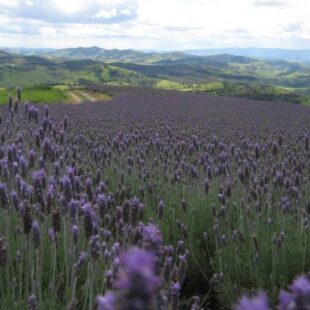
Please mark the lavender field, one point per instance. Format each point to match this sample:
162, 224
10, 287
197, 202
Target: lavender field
155, 200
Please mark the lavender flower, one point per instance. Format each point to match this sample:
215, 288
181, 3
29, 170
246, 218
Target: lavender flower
137, 281
184, 205
298, 296
88, 220
195, 303
36, 234
3, 251
94, 246
32, 302
52, 234
3, 196
56, 220
259, 302
161, 208
65, 122
38, 178
151, 238
107, 302
174, 295
18, 94
67, 188
27, 218
75, 234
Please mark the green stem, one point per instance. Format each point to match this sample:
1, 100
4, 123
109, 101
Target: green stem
27, 267
38, 276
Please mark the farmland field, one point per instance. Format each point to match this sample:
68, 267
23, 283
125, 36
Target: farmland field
200, 199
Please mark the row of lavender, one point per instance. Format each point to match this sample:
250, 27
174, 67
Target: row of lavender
90, 203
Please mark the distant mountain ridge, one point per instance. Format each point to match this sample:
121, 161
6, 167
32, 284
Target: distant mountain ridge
139, 57
302, 55
4, 54
130, 55
115, 55
153, 56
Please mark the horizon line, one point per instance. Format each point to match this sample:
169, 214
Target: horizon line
157, 50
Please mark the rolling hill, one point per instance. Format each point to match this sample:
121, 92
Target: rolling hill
35, 70
302, 55
293, 55
218, 74
114, 55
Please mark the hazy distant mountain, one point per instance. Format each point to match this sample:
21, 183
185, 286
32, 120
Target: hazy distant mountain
135, 56
260, 53
115, 55
24, 61
27, 51
99, 53
3, 54
153, 56
139, 57
213, 60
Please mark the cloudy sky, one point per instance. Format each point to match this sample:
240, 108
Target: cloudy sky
155, 24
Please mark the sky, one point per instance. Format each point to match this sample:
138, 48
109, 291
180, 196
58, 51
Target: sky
155, 24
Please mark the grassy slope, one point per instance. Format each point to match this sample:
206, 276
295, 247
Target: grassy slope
36, 95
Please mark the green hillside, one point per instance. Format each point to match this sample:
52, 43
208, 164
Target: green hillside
28, 71
42, 94
216, 74
112, 55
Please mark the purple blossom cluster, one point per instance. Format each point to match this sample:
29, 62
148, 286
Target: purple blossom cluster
298, 297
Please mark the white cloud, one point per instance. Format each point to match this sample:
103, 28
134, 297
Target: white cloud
270, 3
161, 24
48, 32
126, 12
69, 7
105, 14
29, 2
70, 11
9, 3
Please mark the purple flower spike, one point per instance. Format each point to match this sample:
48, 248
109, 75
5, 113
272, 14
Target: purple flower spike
3, 196
106, 302
298, 297
75, 234
51, 234
175, 292
67, 188
151, 237
140, 264
259, 302
161, 207
36, 234
32, 302
136, 280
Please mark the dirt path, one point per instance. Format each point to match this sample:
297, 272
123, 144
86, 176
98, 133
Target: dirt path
78, 96
88, 96
74, 98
